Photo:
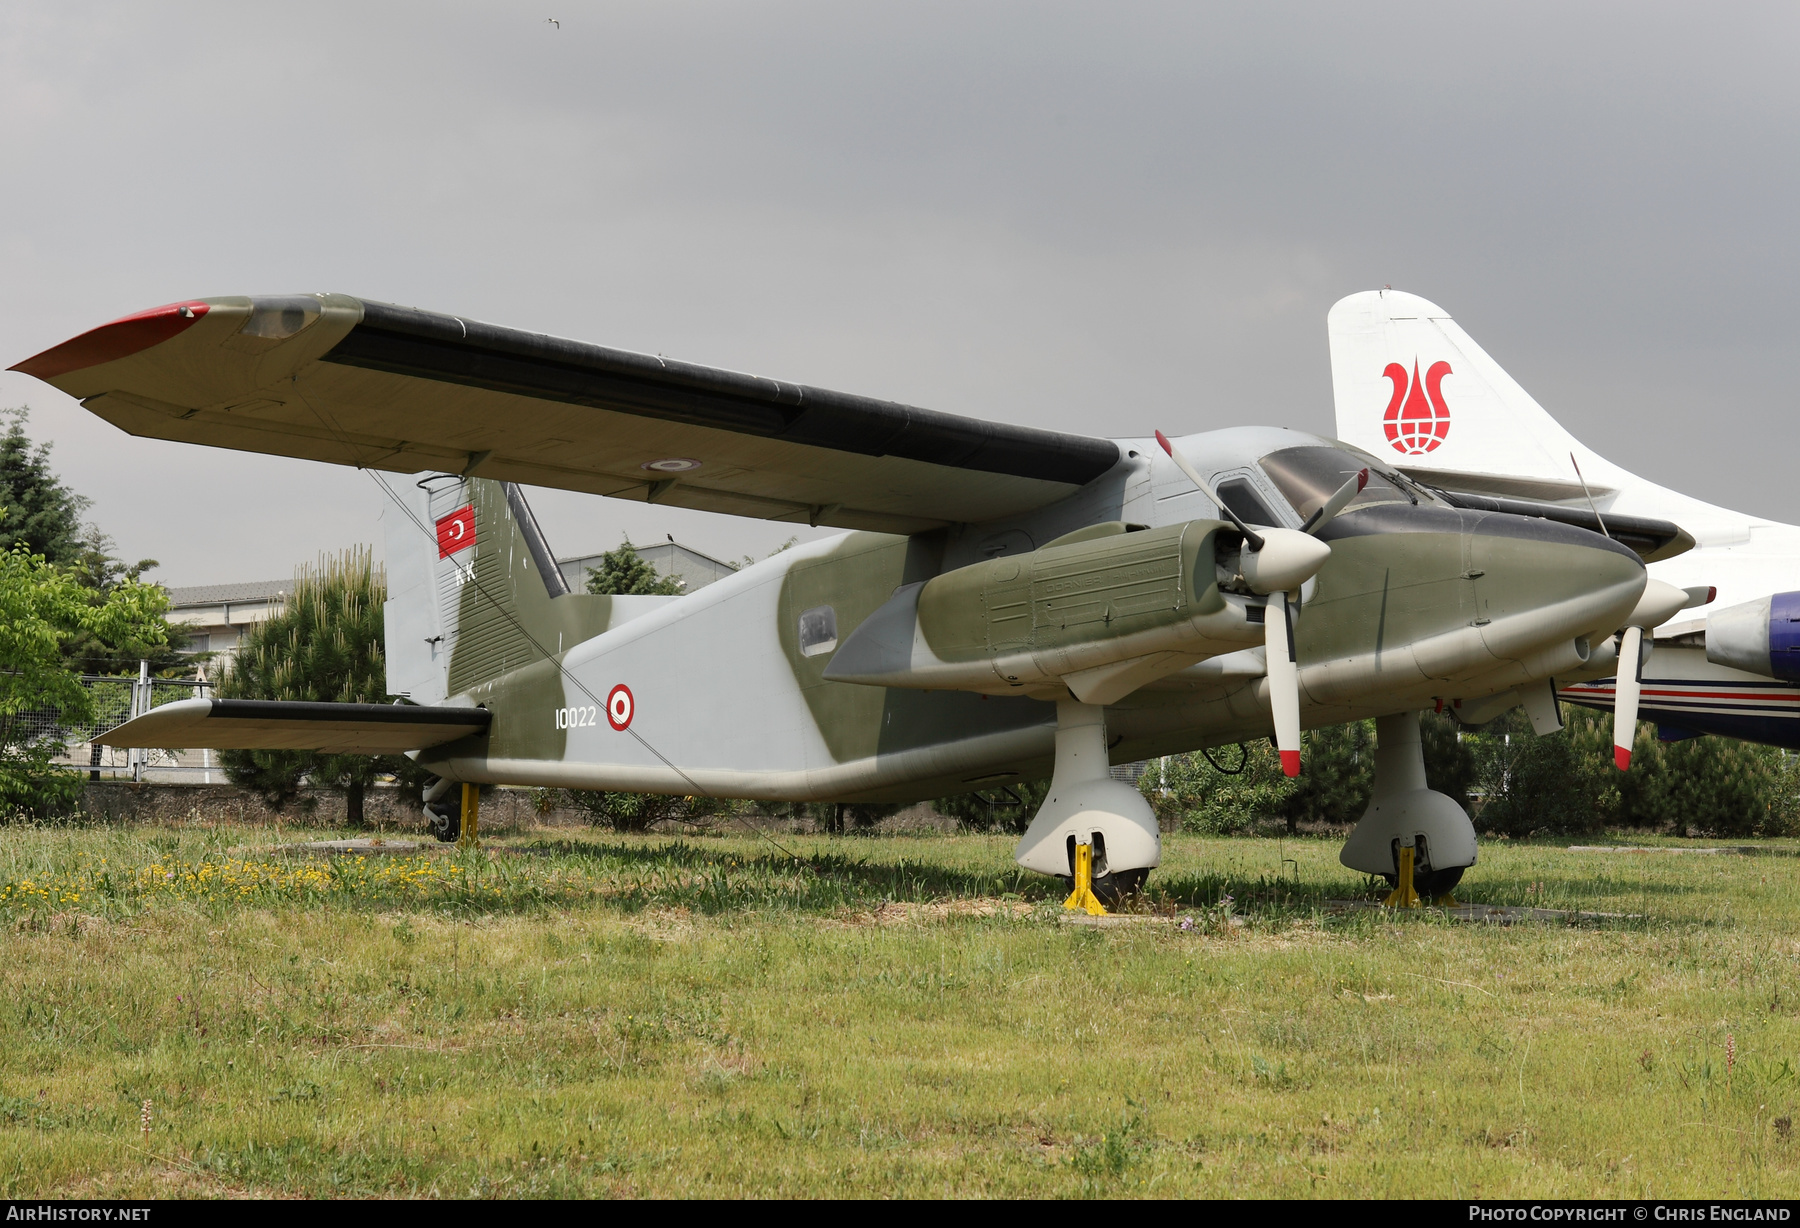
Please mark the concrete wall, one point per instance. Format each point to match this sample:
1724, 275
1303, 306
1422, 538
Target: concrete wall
388, 808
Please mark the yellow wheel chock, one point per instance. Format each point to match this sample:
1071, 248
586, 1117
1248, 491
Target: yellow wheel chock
1404, 896
471, 817
1083, 896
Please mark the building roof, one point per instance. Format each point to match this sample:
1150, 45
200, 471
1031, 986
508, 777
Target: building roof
222, 594
670, 558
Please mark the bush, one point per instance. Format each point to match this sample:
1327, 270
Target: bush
1339, 768
1707, 786
1565, 783
1007, 808
1555, 783
640, 811
42, 608
1332, 790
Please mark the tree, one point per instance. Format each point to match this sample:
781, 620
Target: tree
1334, 787
1708, 786
1008, 807
623, 572
1565, 783
325, 646
41, 608
100, 572
1558, 782
37, 512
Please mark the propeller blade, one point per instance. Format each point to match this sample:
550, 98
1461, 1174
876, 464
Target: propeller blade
1629, 687
1337, 503
1252, 538
1284, 680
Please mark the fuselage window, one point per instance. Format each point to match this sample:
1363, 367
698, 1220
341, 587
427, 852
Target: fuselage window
818, 631
1241, 497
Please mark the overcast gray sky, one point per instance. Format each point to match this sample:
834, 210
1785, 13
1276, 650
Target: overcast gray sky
1102, 218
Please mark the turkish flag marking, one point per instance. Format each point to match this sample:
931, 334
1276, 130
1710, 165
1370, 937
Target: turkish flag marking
456, 531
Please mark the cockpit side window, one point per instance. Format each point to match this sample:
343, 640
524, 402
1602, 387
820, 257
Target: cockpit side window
1307, 477
1241, 497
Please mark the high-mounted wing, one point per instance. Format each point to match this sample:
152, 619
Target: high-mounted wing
333, 378
272, 724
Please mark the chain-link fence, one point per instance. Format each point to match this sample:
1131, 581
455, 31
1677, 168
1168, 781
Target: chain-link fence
116, 700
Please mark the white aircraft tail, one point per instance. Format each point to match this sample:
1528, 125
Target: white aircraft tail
1414, 389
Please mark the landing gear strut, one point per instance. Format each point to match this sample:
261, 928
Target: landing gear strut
453, 815
1419, 840
1088, 816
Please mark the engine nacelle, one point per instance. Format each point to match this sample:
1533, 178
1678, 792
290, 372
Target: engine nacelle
1758, 637
1101, 611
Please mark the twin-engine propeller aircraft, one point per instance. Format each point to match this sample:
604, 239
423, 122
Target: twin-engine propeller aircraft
1008, 603
1470, 431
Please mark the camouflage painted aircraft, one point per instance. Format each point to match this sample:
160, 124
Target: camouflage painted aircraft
1009, 603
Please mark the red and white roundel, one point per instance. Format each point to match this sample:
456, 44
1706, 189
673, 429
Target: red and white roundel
619, 707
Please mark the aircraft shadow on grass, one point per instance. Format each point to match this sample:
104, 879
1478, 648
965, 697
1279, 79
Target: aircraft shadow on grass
721, 881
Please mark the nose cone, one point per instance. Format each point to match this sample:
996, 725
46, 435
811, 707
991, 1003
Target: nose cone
1404, 574
1538, 579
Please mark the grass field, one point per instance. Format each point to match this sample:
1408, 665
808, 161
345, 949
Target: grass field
589, 1014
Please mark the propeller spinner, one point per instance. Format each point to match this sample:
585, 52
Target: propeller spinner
1275, 563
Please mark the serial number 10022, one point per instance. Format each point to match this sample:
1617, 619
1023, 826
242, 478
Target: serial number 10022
575, 718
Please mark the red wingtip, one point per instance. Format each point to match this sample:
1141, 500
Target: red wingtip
1290, 762
1622, 757
1164, 441
119, 339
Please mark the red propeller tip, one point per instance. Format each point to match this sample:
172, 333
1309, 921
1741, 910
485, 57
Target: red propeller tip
1290, 762
1622, 758
1164, 441
1362, 480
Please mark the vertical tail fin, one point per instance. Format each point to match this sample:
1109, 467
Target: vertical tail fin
1414, 389
476, 592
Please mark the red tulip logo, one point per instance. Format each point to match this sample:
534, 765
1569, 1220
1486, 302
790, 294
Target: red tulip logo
1417, 420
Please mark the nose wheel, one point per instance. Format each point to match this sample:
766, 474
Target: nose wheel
1094, 895
444, 818
1427, 886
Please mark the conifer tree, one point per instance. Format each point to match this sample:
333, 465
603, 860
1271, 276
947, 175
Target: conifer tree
623, 572
325, 646
37, 512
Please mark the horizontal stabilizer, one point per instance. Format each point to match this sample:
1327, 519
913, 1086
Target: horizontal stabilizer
273, 724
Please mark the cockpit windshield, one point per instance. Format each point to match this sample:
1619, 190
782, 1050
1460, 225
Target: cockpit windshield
1308, 476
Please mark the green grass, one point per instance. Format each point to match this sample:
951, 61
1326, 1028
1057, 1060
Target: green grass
592, 1014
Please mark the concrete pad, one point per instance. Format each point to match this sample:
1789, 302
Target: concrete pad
1740, 850
1488, 914
1127, 920
366, 847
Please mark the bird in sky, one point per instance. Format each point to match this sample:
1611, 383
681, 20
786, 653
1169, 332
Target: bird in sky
551, 21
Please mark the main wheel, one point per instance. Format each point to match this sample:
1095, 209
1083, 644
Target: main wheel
445, 821
1431, 884
1112, 889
